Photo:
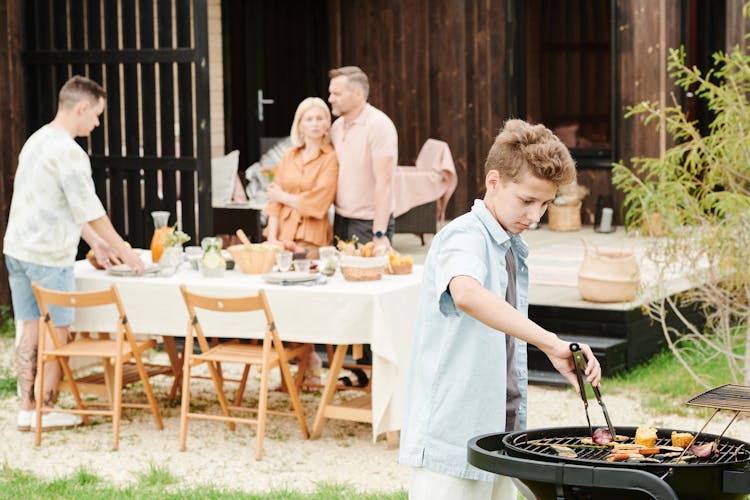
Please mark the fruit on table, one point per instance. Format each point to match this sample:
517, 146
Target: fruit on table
397, 260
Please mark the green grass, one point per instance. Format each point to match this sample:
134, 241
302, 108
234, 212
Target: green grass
158, 482
7, 325
663, 383
7, 383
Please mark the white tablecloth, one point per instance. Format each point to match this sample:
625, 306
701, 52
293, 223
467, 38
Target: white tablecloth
380, 313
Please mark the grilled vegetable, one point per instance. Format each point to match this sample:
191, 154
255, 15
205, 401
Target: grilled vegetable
665, 456
563, 451
602, 436
671, 448
705, 450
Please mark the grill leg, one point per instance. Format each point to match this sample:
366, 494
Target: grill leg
560, 492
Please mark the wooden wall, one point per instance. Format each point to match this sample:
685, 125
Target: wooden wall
737, 26
645, 30
437, 68
12, 122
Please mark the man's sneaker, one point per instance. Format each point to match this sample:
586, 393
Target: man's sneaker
24, 419
56, 420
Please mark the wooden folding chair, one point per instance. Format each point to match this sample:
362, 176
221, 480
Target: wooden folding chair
115, 353
267, 355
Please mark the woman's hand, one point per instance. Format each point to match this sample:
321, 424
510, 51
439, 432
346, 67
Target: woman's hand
276, 194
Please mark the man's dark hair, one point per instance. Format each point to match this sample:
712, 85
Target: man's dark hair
355, 77
78, 88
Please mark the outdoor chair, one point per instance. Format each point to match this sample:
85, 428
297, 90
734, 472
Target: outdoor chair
114, 353
269, 353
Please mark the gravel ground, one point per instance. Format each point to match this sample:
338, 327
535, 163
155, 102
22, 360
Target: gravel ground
345, 454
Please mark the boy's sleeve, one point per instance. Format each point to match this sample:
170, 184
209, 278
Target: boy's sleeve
462, 253
79, 189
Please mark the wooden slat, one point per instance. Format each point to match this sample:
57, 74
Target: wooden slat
166, 107
357, 409
149, 88
135, 220
95, 383
203, 112
112, 56
448, 95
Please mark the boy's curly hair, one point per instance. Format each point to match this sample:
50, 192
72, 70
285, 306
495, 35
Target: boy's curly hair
522, 147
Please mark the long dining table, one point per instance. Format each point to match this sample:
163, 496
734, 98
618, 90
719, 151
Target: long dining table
339, 312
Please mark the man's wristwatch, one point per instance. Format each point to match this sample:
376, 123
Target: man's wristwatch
378, 234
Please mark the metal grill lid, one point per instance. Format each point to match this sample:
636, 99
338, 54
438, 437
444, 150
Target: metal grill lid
724, 397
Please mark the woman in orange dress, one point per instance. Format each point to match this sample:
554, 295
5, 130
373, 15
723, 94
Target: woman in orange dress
301, 193
304, 186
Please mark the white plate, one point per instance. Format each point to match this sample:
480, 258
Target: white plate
289, 277
124, 269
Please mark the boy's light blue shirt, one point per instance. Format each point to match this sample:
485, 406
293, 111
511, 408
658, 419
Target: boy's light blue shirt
457, 375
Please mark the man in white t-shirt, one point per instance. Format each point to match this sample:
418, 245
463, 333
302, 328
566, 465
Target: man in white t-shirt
54, 204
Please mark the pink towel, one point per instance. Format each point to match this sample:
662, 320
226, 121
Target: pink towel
432, 179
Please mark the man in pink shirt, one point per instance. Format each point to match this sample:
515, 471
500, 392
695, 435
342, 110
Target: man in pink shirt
366, 145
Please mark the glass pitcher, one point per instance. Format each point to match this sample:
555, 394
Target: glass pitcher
160, 227
212, 263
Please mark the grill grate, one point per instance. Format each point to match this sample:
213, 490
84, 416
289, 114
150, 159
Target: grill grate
724, 397
728, 452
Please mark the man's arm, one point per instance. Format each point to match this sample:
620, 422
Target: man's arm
475, 300
103, 227
105, 254
382, 169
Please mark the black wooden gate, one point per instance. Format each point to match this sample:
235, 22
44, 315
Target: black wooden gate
152, 150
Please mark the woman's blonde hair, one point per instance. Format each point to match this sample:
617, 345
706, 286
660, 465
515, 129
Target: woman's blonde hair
298, 140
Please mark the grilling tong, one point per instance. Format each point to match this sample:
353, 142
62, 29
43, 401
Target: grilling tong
579, 361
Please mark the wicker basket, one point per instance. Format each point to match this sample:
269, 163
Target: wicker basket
564, 217
355, 268
257, 260
608, 276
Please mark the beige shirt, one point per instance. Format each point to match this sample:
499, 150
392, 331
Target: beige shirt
370, 136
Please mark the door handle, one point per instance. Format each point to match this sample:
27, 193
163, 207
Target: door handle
261, 103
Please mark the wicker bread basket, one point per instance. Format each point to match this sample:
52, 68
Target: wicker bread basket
355, 268
608, 276
564, 217
259, 259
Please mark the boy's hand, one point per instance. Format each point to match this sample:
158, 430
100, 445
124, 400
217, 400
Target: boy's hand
133, 261
562, 359
104, 254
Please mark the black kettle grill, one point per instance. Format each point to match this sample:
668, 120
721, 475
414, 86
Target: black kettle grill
526, 455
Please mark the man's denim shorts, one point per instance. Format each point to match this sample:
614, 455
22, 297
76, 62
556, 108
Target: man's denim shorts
20, 276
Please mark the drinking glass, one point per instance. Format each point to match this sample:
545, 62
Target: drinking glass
328, 260
302, 265
284, 260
